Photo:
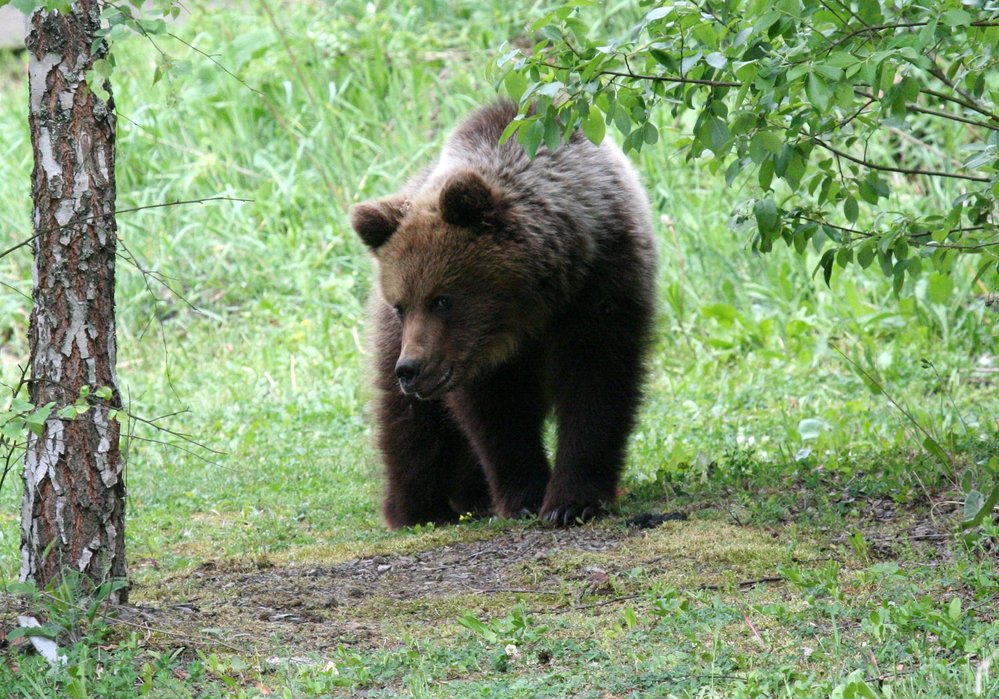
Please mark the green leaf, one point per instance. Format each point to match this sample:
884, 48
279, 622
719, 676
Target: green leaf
909, 88
50, 631
811, 428
511, 129
954, 609
721, 311
765, 211
933, 447
867, 192
865, 255
515, 83
593, 124
531, 136
818, 92
553, 133
650, 133
716, 60
983, 510
956, 18
940, 288
469, 621
12, 429
829, 72
973, 501
798, 71
826, 263
844, 256
36, 420
20, 406
719, 139
766, 174
859, 690
689, 62
850, 209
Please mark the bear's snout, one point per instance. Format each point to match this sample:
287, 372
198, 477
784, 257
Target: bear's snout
407, 370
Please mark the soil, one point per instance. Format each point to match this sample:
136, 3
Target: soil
320, 607
259, 607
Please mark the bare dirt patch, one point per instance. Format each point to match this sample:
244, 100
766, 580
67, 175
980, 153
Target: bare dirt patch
369, 600
265, 607
348, 602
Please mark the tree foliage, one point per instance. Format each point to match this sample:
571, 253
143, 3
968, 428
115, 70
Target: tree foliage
867, 129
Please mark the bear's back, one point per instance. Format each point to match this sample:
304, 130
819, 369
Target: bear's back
590, 192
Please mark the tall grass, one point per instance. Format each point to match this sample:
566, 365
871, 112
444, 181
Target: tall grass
253, 342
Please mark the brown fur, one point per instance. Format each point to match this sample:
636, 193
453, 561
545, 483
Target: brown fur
509, 287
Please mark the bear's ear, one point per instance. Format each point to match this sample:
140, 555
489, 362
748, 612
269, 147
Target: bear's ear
468, 200
375, 221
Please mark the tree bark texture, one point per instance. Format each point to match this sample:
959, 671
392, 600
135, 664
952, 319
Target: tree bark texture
74, 491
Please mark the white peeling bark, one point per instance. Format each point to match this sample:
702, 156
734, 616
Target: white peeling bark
72, 515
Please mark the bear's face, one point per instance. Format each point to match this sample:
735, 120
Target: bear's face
453, 279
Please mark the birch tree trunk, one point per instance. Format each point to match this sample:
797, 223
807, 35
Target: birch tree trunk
73, 509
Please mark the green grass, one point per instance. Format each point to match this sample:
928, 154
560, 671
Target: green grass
269, 370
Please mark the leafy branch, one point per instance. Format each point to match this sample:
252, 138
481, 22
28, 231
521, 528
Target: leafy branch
777, 99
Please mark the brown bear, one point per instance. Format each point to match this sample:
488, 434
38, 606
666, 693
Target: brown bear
509, 287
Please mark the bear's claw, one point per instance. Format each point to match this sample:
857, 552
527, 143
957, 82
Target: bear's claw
568, 515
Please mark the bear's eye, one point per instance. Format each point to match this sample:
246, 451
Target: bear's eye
398, 310
441, 303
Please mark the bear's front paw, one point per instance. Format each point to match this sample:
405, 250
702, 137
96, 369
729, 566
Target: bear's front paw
571, 513
521, 505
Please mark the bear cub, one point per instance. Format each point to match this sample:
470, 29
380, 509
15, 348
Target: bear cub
508, 288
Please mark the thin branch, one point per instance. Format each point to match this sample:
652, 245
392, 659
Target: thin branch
147, 274
14, 289
952, 246
744, 584
184, 202
291, 54
174, 445
906, 136
92, 400
877, 28
90, 219
275, 112
852, 13
964, 103
937, 113
657, 78
175, 634
666, 78
938, 73
889, 168
909, 416
514, 590
834, 12
942, 246
179, 435
13, 447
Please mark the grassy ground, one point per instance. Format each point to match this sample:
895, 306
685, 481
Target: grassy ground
817, 555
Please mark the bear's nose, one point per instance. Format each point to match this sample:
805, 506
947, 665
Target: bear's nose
407, 370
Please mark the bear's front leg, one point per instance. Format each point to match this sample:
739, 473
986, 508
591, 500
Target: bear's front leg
502, 415
432, 474
597, 386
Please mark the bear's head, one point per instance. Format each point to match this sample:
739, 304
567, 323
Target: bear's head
451, 268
